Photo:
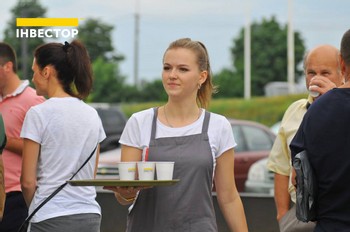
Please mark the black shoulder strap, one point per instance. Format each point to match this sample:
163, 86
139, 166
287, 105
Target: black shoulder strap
59, 188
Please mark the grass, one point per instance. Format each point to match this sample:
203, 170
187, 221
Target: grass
266, 110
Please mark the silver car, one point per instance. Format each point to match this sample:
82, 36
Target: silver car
260, 179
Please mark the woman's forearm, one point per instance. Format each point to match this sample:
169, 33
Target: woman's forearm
234, 215
28, 190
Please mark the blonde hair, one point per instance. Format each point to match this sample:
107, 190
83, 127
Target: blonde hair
207, 89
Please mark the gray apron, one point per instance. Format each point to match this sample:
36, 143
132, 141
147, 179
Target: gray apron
187, 205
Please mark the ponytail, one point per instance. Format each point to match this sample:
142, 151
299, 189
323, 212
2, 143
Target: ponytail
72, 63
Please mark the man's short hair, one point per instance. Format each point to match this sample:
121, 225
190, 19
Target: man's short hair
345, 47
8, 54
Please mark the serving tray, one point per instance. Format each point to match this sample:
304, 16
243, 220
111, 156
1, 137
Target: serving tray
125, 183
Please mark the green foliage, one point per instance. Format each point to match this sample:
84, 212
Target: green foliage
229, 84
110, 86
97, 38
130, 108
268, 54
24, 47
153, 91
269, 63
266, 110
108, 83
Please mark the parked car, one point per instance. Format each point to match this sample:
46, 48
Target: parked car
254, 142
113, 120
260, 178
275, 127
107, 165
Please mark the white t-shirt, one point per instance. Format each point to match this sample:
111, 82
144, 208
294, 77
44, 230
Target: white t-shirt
137, 132
68, 130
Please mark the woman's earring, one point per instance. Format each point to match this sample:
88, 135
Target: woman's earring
199, 86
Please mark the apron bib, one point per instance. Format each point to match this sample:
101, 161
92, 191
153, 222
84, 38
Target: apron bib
187, 205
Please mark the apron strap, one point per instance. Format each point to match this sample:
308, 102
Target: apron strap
154, 123
206, 122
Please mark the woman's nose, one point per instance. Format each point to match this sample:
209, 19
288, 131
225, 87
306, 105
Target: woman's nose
173, 73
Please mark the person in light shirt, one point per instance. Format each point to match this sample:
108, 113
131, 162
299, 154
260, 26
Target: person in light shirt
59, 135
16, 98
200, 143
2, 179
323, 72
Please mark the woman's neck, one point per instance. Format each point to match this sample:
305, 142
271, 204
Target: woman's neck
58, 92
179, 115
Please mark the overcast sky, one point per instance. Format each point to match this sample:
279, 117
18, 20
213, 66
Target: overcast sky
214, 22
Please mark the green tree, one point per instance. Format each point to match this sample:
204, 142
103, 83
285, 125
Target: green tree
153, 91
24, 47
97, 38
268, 54
229, 84
108, 82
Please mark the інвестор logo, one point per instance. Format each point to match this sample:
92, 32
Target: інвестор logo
27, 32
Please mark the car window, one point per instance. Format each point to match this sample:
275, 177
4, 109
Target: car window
237, 133
256, 138
112, 119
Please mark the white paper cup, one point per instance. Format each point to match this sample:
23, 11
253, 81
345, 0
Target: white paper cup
313, 93
146, 170
164, 170
127, 170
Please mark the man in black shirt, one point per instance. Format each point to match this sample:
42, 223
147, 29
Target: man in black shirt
325, 134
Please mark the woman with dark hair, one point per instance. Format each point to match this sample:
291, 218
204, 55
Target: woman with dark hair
59, 135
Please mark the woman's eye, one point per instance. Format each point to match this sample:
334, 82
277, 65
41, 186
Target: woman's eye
183, 69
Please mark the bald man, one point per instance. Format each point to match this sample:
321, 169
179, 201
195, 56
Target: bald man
322, 70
